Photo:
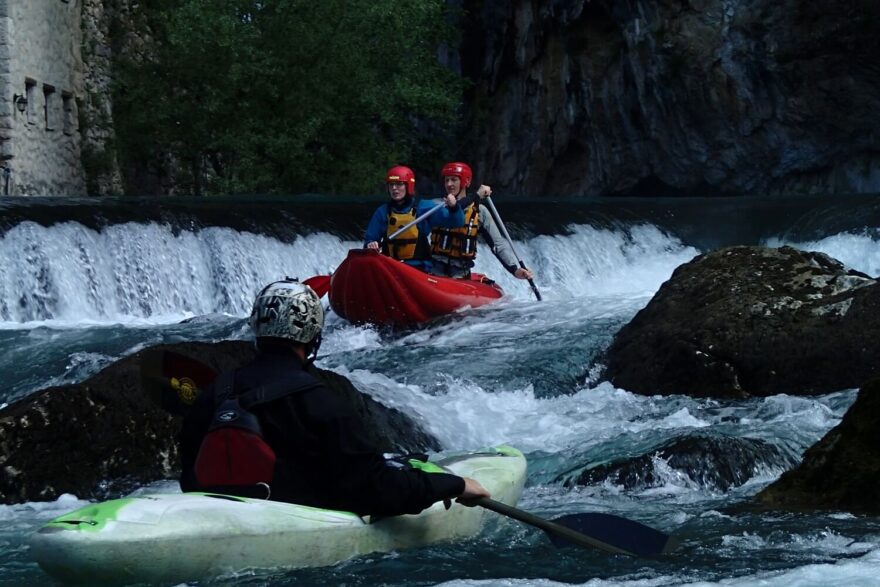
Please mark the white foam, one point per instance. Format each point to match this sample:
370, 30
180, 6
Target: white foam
457, 412
67, 275
860, 251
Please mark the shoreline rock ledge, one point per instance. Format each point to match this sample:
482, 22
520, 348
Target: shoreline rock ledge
841, 472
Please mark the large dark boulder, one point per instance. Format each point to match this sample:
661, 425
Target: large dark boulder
841, 471
718, 463
103, 437
747, 321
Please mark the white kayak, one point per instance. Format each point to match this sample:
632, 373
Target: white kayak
188, 536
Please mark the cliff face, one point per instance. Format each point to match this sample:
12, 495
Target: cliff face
666, 97
103, 176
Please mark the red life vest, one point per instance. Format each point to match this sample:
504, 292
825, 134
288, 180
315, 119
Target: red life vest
234, 457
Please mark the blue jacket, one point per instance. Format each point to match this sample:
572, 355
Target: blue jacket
378, 226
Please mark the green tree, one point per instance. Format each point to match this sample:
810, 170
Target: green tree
240, 96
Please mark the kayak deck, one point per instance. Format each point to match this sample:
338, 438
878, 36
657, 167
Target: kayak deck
180, 537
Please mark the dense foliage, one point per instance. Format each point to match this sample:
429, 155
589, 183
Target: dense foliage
246, 96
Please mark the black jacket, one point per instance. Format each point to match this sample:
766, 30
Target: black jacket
324, 456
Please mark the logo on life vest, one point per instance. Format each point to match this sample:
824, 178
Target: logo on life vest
227, 416
186, 389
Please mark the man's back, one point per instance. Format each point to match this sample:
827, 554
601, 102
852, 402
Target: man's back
324, 457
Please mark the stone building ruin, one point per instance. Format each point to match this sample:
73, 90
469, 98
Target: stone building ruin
41, 92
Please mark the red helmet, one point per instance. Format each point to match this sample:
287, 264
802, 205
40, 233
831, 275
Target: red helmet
399, 173
460, 170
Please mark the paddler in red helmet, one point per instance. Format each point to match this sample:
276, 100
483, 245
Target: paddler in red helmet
453, 250
412, 245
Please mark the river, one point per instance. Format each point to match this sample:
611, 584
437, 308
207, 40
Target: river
86, 282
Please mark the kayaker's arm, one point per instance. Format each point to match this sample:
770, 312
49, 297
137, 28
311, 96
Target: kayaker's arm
499, 245
376, 227
369, 483
473, 491
492, 235
447, 217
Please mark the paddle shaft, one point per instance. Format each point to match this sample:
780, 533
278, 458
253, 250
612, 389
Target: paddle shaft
548, 526
506, 234
463, 203
408, 225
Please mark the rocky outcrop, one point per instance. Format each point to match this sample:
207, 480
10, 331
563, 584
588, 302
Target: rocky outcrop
667, 97
841, 471
103, 437
99, 18
710, 462
747, 321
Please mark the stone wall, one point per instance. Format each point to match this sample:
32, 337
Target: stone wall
40, 59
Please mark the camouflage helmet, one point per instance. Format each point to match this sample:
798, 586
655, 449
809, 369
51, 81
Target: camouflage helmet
288, 309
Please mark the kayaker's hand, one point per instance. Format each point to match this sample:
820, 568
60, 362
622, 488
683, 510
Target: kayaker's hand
451, 201
523, 273
484, 191
373, 245
472, 490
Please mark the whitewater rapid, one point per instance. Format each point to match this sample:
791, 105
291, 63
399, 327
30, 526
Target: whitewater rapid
73, 299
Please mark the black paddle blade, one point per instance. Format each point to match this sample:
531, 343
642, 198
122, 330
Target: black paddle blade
628, 535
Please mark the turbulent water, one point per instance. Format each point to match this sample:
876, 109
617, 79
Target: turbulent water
85, 283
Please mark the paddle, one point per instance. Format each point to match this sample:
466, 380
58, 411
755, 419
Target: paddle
409, 224
593, 530
500, 222
464, 203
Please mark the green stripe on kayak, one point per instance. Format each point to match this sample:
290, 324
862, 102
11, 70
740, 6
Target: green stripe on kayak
91, 518
426, 466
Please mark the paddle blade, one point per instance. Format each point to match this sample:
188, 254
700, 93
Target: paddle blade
627, 535
173, 380
319, 283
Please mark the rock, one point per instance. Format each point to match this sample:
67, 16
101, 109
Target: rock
746, 321
647, 97
103, 437
714, 463
842, 470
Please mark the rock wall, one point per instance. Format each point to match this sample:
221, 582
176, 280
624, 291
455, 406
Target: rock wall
669, 97
98, 154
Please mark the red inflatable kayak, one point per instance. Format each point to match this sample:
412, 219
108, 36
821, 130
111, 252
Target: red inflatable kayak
373, 288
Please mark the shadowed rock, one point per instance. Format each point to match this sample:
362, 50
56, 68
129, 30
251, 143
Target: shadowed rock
717, 463
103, 437
592, 97
841, 471
747, 321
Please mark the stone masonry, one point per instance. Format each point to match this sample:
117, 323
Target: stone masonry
41, 82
